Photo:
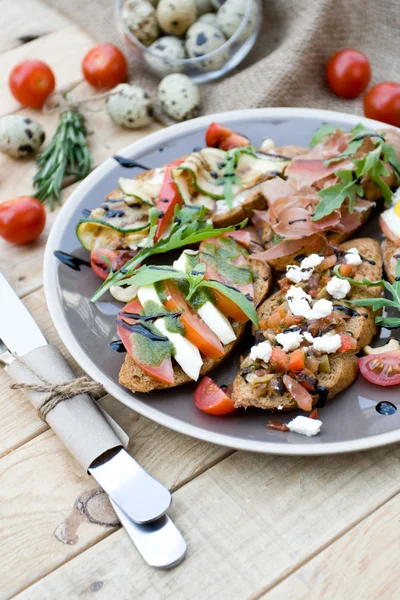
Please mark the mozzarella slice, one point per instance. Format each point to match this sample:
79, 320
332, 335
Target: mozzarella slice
217, 322
183, 263
186, 354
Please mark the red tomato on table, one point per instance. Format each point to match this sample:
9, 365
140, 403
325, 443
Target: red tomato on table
211, 399
104, 66
22, 219
31, 82
382, 103
348, 73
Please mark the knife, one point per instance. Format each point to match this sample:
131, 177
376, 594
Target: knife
78, 422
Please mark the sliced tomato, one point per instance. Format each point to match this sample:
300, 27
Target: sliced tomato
117, 259
211, 399
298, 393
218, 136
381, 369
391, 235
348, 342
168, 199
162, 372
297, 360
196, 331
279, 360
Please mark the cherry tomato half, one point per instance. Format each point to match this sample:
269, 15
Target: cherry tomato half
117, 258
104, 66
22, 219
218, 136
31, 81
381, 369
382, 102
211, 399
348, 73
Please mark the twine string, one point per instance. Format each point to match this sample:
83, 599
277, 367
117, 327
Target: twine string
57, 392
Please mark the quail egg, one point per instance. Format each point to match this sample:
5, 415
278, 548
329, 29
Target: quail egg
230, 16
203, 6
179, 97
130, 106
20, 136
167, 49
201, 40
209, 19
140, 18
175, 16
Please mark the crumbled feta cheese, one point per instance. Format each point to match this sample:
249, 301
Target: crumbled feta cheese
308, 336
261, 351
305, 425
322, 308
289, 340
298, 301
327, 343
293, 273
338, 288
280, 407
311, 261
352, 257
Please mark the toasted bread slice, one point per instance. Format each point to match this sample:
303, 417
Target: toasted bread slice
390, 254
343, 373
132, 376
254, 200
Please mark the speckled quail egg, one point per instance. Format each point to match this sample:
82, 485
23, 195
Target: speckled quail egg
140, 18
130, 106
167, 50
209, 19
175, 16
203, 6
179, 97
20, 136
230, 16
201, 40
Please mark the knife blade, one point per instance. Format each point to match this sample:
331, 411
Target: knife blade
141, 497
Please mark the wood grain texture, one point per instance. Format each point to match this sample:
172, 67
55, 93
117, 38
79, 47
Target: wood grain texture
25, 19
360, 565
40, 482
248, 521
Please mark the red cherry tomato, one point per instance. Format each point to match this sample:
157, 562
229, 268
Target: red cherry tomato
22, 219
31, 81
382, 103
117, 258
348, 73
211, 399
104, 66
168, 199
381, 369
163, 371
218, 136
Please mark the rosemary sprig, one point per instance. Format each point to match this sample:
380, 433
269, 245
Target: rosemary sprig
66, 155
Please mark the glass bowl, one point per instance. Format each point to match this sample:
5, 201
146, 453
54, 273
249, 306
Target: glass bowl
204, 68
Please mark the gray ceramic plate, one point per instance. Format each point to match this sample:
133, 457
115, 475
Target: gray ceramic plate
351, 422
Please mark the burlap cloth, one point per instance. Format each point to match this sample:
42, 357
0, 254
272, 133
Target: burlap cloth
285, 67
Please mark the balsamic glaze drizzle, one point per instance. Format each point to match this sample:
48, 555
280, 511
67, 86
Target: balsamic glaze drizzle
350, 312
86, 213
385, 408
70, 260
322, 392
128, 163
142, 330
138, 317
117, 346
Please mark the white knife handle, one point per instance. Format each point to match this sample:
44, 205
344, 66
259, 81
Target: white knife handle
77, 422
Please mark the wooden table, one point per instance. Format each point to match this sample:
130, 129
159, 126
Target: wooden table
256, 526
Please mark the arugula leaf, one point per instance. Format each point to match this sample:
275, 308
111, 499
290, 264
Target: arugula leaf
321, 133
153, 216
390, 156
147, 275
334, 196
189, 227
237, 297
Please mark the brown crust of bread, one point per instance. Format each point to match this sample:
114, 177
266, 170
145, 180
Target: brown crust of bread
343, 373
389, 253
135, 379
255, 202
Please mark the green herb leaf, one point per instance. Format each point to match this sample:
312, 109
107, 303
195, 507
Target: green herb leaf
334, 196
146, 275
374, 303
363, 281
388, 321
321, 133
229, 177
237, 297
390, 156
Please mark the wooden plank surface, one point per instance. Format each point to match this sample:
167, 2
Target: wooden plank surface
248, 521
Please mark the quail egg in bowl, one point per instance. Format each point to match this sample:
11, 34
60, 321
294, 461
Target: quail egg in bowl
202, 39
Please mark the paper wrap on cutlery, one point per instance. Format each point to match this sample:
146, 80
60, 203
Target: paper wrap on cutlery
78, 422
